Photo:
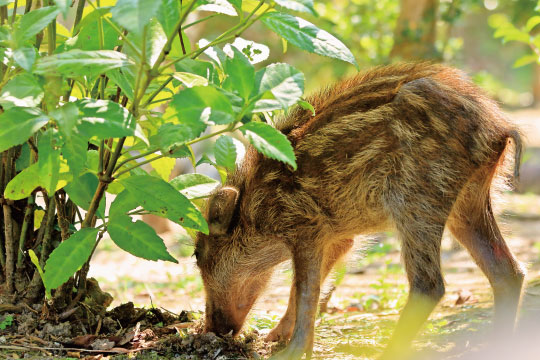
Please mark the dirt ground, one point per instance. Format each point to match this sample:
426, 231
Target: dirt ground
371, 289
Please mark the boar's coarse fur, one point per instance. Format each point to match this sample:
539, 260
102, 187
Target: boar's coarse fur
413, 147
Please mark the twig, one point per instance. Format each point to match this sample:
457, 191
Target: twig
28, 215
63, 222
10, 247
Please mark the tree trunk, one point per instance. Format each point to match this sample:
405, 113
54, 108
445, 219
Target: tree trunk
415, 32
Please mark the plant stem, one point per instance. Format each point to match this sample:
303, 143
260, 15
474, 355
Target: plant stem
79, 13
51, 34
15, 4
63, 222
122, 163
227, 129
156, 93
200, 20
230, 34
120, 32
28, 215
10, 246
28, 6
45, 246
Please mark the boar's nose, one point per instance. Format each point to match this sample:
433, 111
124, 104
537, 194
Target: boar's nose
222, 324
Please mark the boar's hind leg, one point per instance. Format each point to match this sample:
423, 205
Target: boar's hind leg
421, 256
473, 224
307, 262
284, 329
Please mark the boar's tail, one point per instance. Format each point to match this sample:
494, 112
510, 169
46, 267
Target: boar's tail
518, 148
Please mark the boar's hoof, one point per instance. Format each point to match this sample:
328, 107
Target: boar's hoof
282, 332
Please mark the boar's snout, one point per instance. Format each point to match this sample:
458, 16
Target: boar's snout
221, 323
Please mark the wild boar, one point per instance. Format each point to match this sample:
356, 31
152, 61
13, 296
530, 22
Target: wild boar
411, 147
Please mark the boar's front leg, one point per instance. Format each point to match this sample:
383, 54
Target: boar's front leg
307, 262
284, 329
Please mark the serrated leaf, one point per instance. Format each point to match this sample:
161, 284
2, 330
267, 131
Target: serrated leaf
219, 6
88, 38
81, 63
270, 142
194, 185
134, 15
33, 22
82, 190
158, 196
204, 69
526, 60
68, 257
138, 238
298, 5
266, 105
49, 161
202, 103
25, 57
284, 81
255, 52
18, 124
240, 74
225, 152
307, 36
23, 90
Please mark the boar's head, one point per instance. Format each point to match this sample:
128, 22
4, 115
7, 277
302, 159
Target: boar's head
231, 264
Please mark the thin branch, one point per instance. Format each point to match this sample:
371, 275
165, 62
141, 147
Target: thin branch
28, 216
10, 247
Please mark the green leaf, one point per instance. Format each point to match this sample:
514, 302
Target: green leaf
138, 238
170, 136
33, 22
23, 90
22, 185
34, 259
298, 5
284, 81
219, 6
74, 151
526, 60
158, 196
104, 119
25, 57
164, 167
67, 118
194, 185
168, 15
18, 124
88, 37
240, 74
134, 15
202, 103
120, 79
532, 22
68, 257
81, 63
307, 36
190, 80
307, 106
225, 152
269, 142
204, 69
82, 190
49, 161
266, 105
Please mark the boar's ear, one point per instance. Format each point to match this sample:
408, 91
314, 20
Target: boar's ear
220, 210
